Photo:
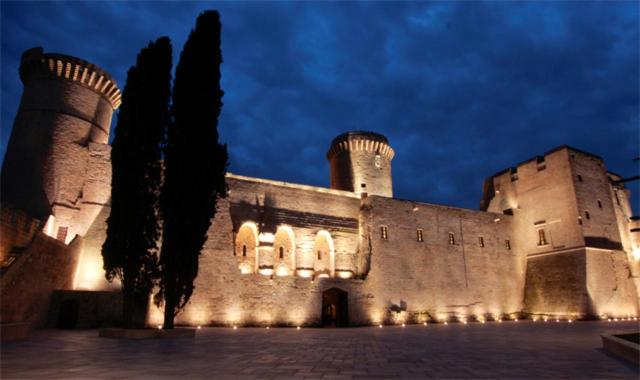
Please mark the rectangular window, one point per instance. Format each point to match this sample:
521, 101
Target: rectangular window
599, 203
319, 255
542, 238
419, 236
62, 233
481, 241
282, 252
452, 238
507, 244
579, 178
587, 215
244, 251
383, 232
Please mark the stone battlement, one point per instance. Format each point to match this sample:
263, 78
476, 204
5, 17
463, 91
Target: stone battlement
36, 64
361, 140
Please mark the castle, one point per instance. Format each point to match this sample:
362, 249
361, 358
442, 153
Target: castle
554, 237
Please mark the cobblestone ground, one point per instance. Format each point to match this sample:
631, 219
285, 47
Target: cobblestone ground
492, 350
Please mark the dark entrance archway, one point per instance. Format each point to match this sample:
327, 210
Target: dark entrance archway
335, 312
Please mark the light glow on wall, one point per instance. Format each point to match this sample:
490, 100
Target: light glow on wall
50, 226
306, 273
344, 274
636, 253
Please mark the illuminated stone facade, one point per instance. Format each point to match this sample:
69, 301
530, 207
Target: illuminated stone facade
283, 253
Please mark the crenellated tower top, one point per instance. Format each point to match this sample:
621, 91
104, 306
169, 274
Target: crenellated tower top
36, 64
361, 140
360, 161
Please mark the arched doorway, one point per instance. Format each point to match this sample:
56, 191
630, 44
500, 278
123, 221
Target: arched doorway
335, 308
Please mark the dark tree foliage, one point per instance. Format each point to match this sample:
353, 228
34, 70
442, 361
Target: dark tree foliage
195, 164
130, 249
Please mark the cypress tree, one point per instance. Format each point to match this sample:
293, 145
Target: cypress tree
130, 249
195, 164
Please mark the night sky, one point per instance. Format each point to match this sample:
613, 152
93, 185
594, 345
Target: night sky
462, 90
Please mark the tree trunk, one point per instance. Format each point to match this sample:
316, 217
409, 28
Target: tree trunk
169, 308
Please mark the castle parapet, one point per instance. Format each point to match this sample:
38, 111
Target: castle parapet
37, 65
361, 162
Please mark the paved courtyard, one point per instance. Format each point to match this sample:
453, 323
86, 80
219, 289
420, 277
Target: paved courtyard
492, 350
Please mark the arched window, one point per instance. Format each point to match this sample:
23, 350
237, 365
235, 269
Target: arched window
324, 265
247, 243
285, 261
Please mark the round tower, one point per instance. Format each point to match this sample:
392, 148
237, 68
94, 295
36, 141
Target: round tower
57, 162
360, 161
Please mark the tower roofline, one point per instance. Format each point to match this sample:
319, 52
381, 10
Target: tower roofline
514, 169
37, 64
361, 140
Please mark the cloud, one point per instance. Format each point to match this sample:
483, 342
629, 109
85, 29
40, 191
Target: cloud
462, 90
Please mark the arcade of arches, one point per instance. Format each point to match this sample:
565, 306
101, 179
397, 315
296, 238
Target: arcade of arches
268, 254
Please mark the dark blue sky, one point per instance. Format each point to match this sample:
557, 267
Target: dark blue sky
461, 89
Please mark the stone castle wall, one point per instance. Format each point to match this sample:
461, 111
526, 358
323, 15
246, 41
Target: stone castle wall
566, 224
554, 235
476, 271
432, 279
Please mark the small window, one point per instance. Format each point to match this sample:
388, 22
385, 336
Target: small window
481, 242
383, 232
579, 178
363, 185
419, 237
244, 251
579, 220
587, 215
507, 244
282, 252
542, 238
62, 233
452, 238
599, 203
319, 255
615, 192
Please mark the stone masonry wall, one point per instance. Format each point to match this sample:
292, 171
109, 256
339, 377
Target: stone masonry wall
225, 296
45, 265
434, 276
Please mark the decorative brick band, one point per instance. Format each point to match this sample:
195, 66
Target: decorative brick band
361, 140
36, 64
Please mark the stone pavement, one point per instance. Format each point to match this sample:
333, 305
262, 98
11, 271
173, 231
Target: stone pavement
492, 350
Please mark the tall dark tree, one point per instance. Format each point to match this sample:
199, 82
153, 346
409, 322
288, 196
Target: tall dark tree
195, 164
133, 228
